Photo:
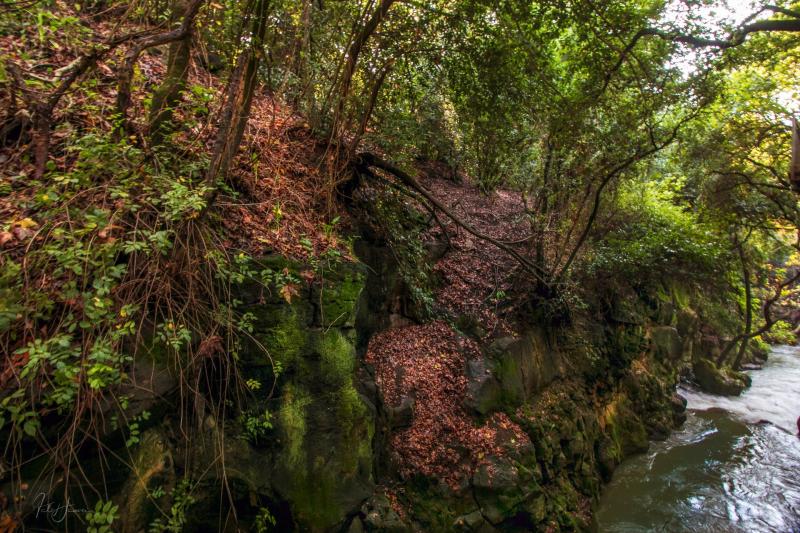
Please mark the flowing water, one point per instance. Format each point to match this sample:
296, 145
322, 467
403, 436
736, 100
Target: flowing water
733, 467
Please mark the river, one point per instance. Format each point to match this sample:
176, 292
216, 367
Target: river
725, 470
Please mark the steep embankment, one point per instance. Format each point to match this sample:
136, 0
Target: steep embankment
378, 405
488, 419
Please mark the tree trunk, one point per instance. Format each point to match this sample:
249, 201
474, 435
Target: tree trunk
125, 75
353, 51
236, 111
166, 96
748, 317
373, 99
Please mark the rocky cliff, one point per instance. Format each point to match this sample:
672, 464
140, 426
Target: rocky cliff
425, 427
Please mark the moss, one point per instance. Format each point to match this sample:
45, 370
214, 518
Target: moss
663, 294
325, 476
338, 297
349, 405
285, 337
680, 296
624, 434
719, 381
292, 418
337, 358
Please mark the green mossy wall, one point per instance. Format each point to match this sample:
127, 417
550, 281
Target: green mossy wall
321, 449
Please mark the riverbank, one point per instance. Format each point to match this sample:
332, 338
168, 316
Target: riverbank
731, 467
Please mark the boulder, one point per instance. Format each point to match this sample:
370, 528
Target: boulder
483, 390
152, 468
718, 381
503, 488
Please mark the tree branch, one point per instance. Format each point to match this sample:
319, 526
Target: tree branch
366, 159
125, 76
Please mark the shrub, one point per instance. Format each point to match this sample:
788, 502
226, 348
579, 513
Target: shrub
650, 239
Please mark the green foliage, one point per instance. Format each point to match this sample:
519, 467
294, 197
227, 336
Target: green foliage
652, 239
134, 428
102, 518
182, 500
105, 225
264, 521
403, 225
255, 425
121, 249
781, 333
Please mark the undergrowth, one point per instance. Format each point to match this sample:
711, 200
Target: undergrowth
115, 260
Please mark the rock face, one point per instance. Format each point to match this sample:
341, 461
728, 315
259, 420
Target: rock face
304, 447
525, 366
152, 467
536, 422
667, 342
321, 458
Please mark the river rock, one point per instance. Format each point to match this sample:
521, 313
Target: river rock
716, 381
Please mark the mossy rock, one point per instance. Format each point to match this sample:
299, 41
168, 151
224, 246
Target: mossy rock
503, 488
719, 381
337, 358
337, 295
324, 463
281, 329
627, 309
681, 295
152, 468
686, 322
526, 367
625, 434
666, 343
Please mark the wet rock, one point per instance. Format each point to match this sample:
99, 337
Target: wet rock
719, 381
678, 405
